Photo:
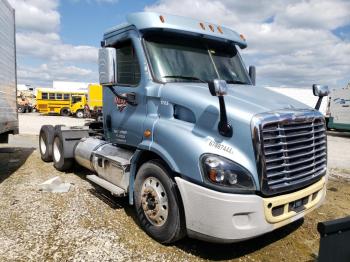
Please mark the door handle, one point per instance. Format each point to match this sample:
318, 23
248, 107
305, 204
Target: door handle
345, 105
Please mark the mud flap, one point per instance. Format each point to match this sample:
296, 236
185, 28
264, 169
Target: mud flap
335, 239
70, 137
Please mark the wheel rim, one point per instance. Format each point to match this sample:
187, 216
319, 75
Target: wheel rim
42, 145
154, 201
56, 150
80, 114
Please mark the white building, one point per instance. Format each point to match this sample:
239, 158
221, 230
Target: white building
70, 86
303, 95
21, 87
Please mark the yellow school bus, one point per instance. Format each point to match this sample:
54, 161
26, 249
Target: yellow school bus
52, 101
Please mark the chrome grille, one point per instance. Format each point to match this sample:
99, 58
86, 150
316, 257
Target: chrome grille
293, 150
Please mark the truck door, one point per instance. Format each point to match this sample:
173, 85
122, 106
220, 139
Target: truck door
75, 103
123, 122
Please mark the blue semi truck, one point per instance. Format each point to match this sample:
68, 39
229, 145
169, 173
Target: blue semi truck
198, 149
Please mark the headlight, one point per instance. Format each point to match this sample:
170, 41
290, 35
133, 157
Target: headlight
220, 171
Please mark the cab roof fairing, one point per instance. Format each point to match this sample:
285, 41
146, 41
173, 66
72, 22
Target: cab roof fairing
144, 21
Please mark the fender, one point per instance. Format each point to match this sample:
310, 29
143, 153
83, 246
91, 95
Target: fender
152, 147
70, 137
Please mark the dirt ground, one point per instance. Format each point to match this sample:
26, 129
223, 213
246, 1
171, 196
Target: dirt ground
87, 224
30, 123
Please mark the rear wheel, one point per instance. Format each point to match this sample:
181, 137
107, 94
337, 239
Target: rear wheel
20, 109
80, 114
59, 162
157, 203
64, 111
45, 142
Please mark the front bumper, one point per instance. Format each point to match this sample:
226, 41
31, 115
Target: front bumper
222, 217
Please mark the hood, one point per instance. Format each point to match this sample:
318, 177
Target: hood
199, 112
241, 100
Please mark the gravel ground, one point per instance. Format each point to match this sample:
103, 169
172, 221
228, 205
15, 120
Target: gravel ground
87, 224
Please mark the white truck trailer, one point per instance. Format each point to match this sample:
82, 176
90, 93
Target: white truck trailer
8, 77
338, 109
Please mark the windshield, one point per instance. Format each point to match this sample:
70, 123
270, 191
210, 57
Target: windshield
176, 59
76, 99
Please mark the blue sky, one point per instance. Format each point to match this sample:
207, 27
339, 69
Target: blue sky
291, 42
84, 22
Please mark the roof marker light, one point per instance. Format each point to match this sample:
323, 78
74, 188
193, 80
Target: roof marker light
211, 28
242, 37
220, 30
161, 18
202, 25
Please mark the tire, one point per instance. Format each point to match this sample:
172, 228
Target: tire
59, 162
79, 114
20, 109
4, 138
65, 111
168, 224
46, 136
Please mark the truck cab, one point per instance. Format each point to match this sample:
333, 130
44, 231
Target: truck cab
77, 104
197, 147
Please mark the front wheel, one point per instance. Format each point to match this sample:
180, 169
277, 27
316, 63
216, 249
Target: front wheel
80, 114
157, 203
20, 109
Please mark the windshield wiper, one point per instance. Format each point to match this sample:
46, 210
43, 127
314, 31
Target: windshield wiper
236, 82
185, 77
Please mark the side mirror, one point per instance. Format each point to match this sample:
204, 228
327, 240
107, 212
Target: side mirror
252, 74
218, 87
107, 65
320, 90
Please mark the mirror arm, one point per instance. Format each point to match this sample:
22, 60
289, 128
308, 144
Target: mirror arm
252, 75
130, 98
318, 104
225, 129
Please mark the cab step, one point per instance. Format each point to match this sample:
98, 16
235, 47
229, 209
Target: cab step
115, 190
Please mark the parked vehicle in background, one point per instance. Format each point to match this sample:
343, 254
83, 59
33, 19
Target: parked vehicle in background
338, 109
50, 101
90, 105
189, 166
77, 103
26, 102
8, 77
